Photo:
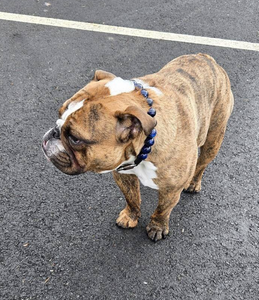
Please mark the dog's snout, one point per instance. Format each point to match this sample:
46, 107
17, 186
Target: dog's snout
55, 133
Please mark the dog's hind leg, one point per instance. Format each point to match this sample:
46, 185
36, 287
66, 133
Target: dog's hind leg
130, 187
214, 139
207, 153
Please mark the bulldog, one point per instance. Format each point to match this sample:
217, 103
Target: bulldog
146, 130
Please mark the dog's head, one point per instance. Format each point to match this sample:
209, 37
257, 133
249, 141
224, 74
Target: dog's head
99, 127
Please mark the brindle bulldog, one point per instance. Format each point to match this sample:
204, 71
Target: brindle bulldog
148, 129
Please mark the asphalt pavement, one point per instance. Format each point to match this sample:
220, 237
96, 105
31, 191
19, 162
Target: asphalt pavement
58, 238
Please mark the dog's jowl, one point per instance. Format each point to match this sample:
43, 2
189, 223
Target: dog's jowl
146, 130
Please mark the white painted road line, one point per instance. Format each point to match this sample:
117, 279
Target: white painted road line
150, 34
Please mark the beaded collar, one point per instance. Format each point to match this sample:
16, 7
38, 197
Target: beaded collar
149, 141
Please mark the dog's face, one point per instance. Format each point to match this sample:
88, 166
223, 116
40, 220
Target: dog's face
96, 130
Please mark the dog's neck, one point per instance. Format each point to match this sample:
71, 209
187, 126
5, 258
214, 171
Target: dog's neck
149, 141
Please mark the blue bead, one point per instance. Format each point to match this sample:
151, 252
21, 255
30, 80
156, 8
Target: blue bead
146, 150
152, 112
150, 101
152, 134
149, 137
138, 85
149, 142
142, 156
144, 93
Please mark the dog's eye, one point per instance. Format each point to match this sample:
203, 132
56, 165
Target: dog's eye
74, 141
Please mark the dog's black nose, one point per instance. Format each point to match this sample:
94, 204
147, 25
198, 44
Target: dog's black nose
55, 133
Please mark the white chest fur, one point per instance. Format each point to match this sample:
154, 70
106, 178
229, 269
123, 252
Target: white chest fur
145, 171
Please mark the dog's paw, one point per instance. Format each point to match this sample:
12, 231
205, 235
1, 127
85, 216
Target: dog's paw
194, 187
156, 231
126, 219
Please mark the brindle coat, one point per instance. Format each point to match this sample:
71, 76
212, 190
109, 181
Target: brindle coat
192, 113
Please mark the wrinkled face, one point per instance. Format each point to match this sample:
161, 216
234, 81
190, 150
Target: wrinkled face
96, 128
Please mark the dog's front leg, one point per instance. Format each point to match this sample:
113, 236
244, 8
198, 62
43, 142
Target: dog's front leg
158, 227
130, 187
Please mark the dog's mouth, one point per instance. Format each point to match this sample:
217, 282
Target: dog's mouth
44, 149
56, 153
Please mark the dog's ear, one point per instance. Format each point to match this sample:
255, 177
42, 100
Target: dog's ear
99, 75
131, 122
